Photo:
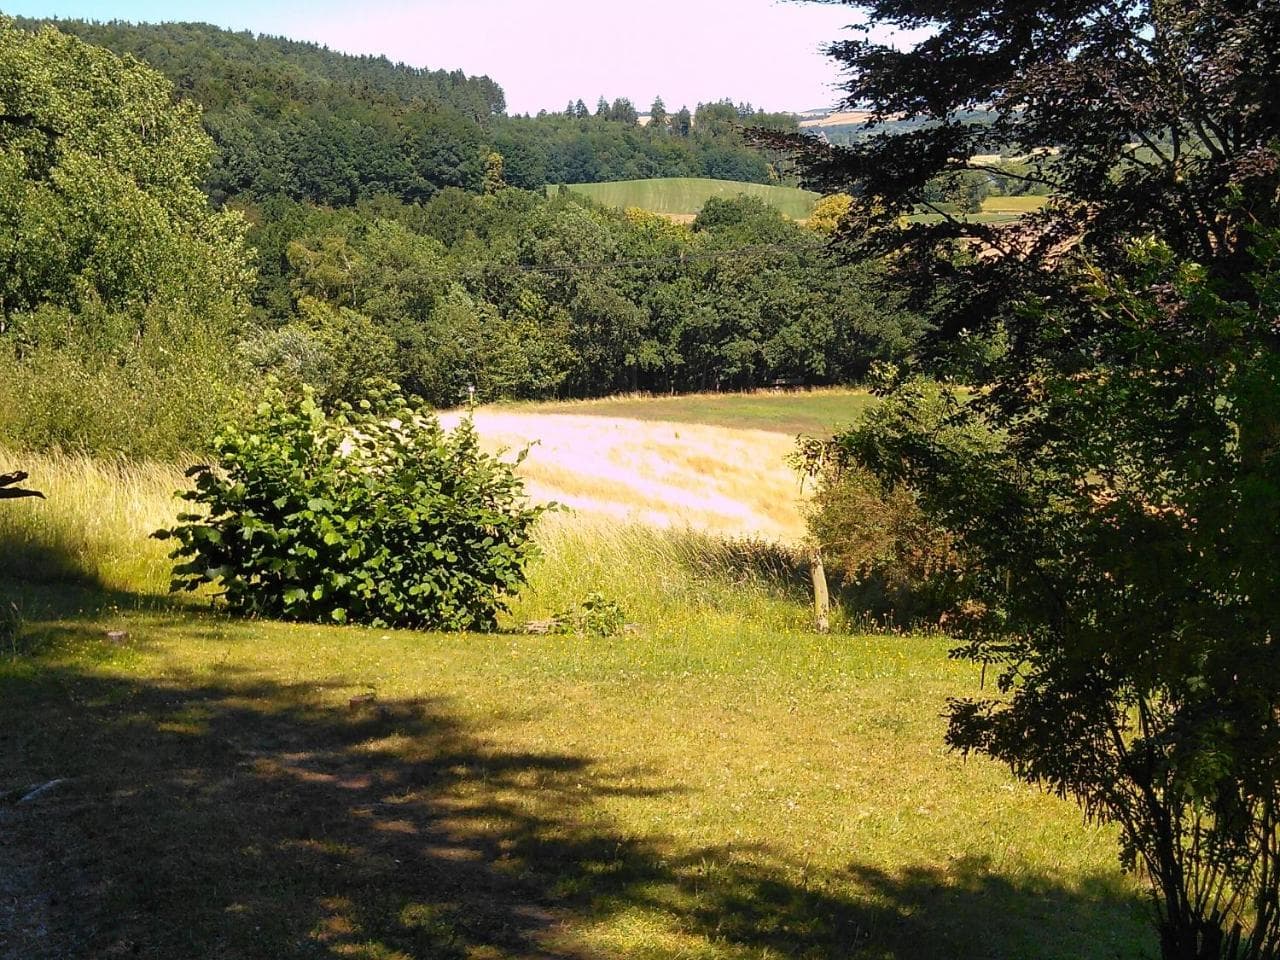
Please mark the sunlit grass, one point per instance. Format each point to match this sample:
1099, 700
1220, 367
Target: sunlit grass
715, 782
818, 412
718, 782
1024, 204
94, 525
686, 196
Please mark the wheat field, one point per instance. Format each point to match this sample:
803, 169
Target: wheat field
720, 480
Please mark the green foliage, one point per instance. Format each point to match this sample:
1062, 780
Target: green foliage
530, 297
298, 120
1118, 529
595, 616
338, 352
124, 327
894, 562
1123, 532
869, 525
829, 212
494, 175
121, 291
1180, 143
99, 184
293, 119
370, 515
67, 382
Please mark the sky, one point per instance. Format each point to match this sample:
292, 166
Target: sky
545, 54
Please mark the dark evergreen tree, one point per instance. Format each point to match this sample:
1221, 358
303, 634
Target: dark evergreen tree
658, 114
623, 111
682, 124
1114, 485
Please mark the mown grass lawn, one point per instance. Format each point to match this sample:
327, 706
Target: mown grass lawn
720, 783
809, 412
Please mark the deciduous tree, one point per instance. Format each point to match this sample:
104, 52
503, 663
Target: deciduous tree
1121, 525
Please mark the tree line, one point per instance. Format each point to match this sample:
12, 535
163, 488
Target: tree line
299, 120
527, 297
135, 314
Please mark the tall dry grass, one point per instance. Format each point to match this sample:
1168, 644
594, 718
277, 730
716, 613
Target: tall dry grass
94, 525
95, 528
733, 483
670, 579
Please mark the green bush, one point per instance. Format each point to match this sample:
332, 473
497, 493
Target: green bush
596, 616
154, 394
893, 559
373, 515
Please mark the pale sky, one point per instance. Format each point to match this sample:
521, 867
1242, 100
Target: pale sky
545, 54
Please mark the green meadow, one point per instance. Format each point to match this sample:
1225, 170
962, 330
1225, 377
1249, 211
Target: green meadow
717, 781
817, 412
686, 196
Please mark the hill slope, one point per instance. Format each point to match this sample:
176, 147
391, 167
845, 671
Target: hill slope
303, 121
686, 196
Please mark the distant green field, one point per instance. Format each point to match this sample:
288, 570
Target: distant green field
994, 210
811, 412
1012, 204
685, 196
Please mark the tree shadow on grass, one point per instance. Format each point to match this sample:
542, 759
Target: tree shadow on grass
233, 817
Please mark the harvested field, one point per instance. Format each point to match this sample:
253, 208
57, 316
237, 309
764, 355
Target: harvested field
718, 480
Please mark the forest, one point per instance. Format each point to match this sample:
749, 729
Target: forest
379, 223
293, 119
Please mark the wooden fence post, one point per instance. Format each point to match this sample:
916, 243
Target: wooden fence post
821, 596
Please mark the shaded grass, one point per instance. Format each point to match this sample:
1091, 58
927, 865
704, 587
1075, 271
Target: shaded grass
705, 788
686, 196
811, 412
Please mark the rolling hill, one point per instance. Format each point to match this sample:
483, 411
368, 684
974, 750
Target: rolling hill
684, 197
